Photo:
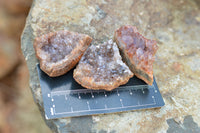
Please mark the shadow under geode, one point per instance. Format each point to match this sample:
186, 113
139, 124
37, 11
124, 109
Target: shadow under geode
66, 82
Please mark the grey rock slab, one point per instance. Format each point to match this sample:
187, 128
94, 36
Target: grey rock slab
174, 24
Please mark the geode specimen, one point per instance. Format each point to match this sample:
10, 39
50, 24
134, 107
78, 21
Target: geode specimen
60, 51
101, 67
137, 51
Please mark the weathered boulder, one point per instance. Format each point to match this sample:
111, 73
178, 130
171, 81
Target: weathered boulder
174, 24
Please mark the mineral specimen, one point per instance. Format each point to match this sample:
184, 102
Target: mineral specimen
60, 51
137, 51
101, 67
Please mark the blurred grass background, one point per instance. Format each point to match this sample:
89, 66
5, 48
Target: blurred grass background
18, 112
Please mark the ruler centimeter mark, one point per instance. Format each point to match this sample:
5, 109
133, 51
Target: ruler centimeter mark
130, 91
94, 91
53, 111
63, 97
57, 113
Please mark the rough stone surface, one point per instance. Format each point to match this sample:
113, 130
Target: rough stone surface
60, 51
174, 24
186, 126
137, 51
101, 67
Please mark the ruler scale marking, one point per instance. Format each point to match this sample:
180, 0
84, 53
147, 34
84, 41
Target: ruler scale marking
63, 97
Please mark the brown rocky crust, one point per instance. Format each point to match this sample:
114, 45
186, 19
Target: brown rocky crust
137, 51
101, 67
60, 51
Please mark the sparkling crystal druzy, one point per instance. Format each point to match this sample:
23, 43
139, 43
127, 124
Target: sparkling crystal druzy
60, 51
137, 51
101, 67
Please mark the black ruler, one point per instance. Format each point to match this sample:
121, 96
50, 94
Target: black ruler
64, 97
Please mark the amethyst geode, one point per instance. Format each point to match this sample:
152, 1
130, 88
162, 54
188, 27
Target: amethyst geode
101, 67
60, 51
137, 51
